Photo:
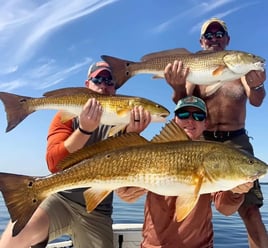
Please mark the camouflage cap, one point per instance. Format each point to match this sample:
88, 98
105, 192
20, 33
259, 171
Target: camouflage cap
212, 20
191, 101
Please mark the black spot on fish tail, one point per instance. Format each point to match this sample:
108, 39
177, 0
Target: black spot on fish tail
20, 200
16, 108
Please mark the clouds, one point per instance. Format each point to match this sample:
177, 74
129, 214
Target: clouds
204, 10
26, 26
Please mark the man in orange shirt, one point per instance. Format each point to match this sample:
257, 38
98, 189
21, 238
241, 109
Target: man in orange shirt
65, 212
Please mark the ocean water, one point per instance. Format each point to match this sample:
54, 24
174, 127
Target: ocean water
228, 231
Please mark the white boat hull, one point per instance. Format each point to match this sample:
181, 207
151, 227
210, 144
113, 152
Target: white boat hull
125, 236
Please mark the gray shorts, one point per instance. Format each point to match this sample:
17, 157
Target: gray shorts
92, 230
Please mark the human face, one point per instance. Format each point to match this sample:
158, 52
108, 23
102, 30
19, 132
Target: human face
102, 87
192, 128
216, 43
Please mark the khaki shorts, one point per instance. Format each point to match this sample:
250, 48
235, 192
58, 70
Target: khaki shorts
92, 230
254, 196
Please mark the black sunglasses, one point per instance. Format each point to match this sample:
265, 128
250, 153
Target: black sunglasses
217, 35
100, 80
197, 116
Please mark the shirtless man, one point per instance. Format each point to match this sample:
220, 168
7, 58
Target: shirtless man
226, 116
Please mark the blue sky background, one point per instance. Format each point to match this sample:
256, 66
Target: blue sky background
45, 45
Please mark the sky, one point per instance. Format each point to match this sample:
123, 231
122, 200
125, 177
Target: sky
46, 45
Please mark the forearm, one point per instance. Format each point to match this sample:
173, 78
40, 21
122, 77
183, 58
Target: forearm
227, 202
178, 93
130, 194
76, 141
58, 134
253, 83
256, 96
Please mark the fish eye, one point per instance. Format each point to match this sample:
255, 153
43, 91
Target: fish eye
251, 161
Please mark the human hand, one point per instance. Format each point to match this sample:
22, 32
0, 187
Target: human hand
242, 188
130, 194
139, 120
175, 74
90, 116
255, 78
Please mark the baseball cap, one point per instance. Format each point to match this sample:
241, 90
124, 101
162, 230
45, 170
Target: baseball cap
212, 20
97, 67
191, 101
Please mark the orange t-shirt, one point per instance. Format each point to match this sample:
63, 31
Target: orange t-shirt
58, 132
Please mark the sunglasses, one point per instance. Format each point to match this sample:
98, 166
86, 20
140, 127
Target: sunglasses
100, 80
197, 116
217, 35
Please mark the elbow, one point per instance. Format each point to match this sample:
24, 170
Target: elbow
256, 102
51, 165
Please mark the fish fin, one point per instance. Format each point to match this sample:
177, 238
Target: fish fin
163, 53
218, 71
204, 51
94, 197
110, 144
157, 76
21, 202
211, 89
122, 111
70, 91
170, 132
121, 69
184, 205
116, 129
16, 107
66, 116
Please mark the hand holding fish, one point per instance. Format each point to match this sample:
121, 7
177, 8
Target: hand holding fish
139, 120
90, 116
175, 75
255, 78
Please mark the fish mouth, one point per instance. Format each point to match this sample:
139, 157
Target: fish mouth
260, 65
257, 176
164, 115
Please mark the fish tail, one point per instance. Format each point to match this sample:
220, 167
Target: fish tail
20, 200
16, 107
120, 69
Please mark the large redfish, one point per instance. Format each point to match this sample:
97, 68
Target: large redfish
206, 67
116, 108
165, 166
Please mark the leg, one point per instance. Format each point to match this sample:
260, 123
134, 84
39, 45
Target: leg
33, 233
257, 234
249, 210
91, 229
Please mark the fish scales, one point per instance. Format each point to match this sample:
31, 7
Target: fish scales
124, 165
205, 67
172, 168
116, 108
202, 62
